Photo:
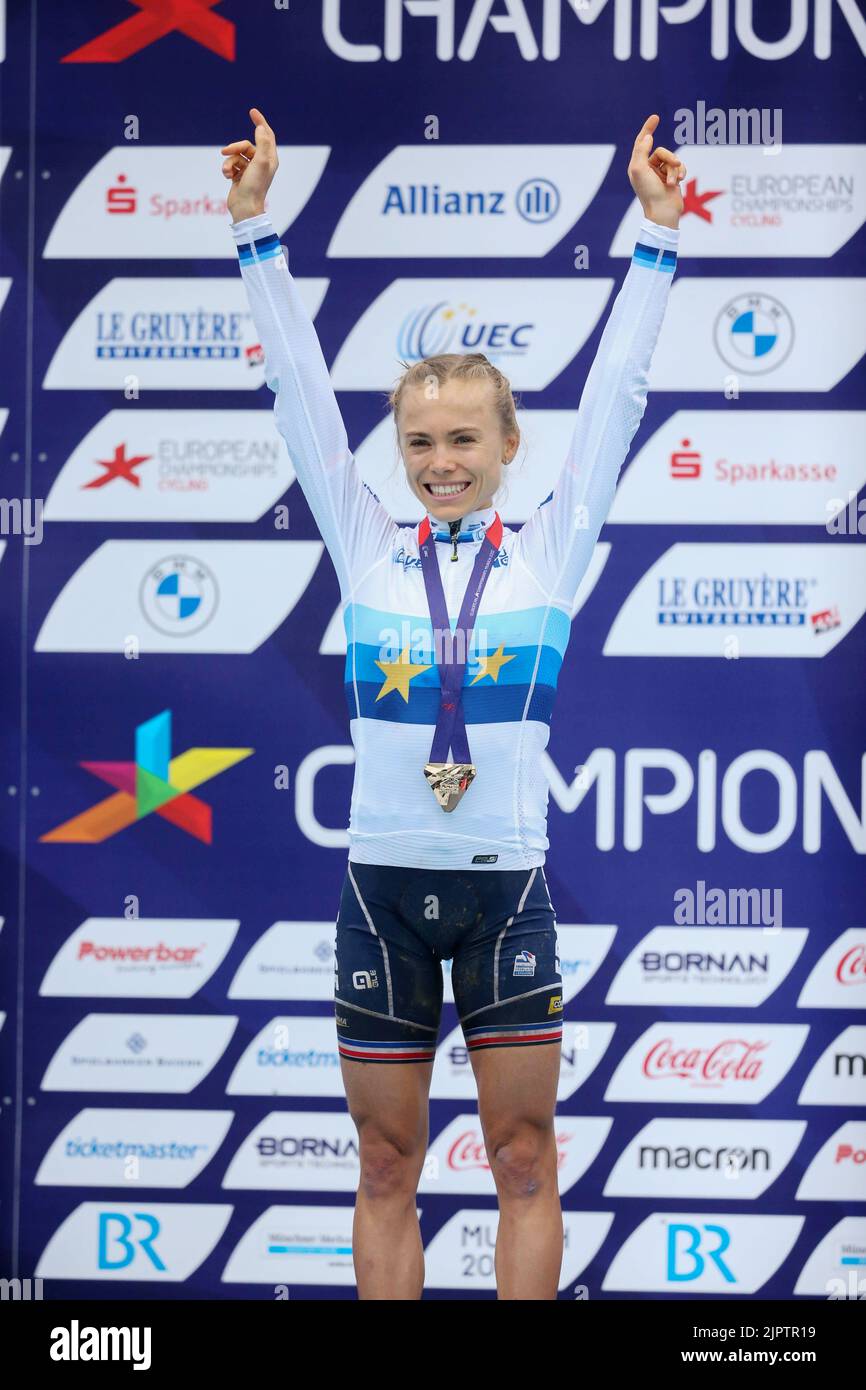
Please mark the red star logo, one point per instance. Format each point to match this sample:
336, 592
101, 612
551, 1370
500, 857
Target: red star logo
695, 201
119, 467
155, 19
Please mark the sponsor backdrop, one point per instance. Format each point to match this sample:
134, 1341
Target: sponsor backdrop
176, 758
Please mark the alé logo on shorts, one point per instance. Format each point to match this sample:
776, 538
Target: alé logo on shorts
365, 979
524, 963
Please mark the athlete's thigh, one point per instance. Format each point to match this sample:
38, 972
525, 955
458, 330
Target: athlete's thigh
516, 1088
389, 1105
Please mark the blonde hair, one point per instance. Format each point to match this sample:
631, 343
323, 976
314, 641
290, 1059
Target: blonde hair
460, 366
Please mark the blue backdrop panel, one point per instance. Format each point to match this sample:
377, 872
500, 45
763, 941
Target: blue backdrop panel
284, 700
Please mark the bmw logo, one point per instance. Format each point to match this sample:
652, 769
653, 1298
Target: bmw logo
179, 595
754, 333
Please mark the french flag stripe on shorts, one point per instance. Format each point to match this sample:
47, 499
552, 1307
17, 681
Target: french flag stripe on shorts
361, 1051
500, 1037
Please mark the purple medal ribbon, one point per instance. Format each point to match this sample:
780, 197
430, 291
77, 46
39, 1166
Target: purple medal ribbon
450, 724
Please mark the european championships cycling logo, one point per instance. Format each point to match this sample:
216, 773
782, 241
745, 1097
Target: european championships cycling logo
154, 782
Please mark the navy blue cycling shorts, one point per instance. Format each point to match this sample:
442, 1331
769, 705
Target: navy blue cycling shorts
397, 925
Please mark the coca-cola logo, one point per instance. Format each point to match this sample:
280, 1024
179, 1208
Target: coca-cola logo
468, 1152
731, 1059
851, 969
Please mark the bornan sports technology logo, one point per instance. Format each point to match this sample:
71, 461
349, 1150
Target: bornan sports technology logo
155, 782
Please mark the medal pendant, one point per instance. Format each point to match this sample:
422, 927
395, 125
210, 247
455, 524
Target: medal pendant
449, 781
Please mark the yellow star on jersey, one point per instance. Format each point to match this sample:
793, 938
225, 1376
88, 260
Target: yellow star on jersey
491, 665
398, 674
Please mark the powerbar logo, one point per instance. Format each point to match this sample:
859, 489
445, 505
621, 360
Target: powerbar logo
76, 1343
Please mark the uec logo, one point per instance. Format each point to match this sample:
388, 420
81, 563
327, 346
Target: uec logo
444, 327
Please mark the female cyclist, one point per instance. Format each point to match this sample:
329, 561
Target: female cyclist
456, 630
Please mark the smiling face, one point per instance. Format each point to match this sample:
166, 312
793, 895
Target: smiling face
453, 446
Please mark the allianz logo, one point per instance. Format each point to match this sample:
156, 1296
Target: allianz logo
536, 200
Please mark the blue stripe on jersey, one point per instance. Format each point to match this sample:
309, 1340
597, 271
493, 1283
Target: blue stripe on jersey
649, 256
265, 249
361, 663
525, 627
504, 705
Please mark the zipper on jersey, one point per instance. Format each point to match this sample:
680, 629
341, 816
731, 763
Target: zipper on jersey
454, 528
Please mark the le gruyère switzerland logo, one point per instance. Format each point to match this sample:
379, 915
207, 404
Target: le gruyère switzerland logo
154, 782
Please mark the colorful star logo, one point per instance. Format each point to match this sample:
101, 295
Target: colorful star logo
154, 782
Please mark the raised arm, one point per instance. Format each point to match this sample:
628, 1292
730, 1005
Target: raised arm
558, 540
354, 526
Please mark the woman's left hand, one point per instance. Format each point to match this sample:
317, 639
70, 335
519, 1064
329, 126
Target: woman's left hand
655, 176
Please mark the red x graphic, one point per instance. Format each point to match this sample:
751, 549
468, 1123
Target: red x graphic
162, 17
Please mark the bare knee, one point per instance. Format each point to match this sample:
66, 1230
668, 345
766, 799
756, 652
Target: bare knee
522, 1160
390, 1165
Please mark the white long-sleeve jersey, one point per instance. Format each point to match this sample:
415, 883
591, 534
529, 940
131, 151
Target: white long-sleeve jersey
524, 620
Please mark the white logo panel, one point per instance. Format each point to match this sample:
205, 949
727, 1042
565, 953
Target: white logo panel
837, 1078
295, 1245
151, 957
837, 1173
471, 200
745, 468
702, 1252
807, 200
180, 596
530, 329
169, 201
460, 1255
117, 1147
138, 1052
770, 333
794, 600
169, 334
698, 1158
710, 967
838, 979
173, 465
707, 1063
156, 1242
291, 960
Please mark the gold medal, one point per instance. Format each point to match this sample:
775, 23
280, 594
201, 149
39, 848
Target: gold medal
449, 781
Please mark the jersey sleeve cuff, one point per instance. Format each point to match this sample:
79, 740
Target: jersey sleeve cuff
256, 240
250, 227
656, 246
665, 236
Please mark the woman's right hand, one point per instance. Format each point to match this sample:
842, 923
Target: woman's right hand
251, 168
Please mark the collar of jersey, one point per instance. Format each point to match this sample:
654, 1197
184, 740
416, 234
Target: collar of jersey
472, 525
